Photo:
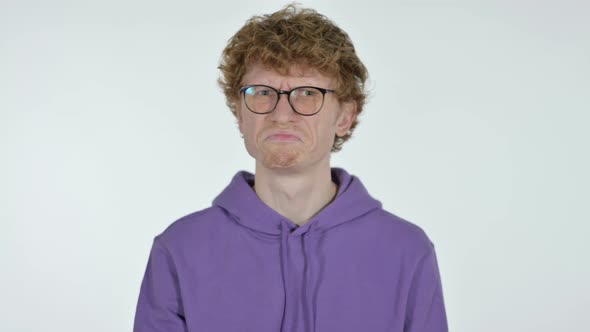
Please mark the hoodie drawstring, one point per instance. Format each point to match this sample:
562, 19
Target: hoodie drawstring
284, 265
307, 301
289, 301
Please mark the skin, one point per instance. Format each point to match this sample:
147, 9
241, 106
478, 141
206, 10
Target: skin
292, 151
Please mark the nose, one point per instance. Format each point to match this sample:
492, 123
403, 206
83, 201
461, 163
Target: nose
283, 111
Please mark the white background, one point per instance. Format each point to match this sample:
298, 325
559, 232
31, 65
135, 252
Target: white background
112, 127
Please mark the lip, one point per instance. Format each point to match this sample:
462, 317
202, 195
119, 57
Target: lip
283, 136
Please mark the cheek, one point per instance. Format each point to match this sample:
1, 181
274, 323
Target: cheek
251, 130
325, 131
249, 139
248, 125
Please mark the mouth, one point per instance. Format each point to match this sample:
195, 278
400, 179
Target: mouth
283, 137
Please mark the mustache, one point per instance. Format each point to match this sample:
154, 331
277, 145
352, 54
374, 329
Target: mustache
281, 127
287, 128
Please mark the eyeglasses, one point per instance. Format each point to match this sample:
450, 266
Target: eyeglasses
304, 100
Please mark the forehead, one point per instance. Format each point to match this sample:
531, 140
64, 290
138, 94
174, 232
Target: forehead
297, 75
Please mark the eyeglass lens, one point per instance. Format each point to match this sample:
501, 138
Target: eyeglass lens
263, 99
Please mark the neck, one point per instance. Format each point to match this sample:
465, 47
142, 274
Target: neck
296, 196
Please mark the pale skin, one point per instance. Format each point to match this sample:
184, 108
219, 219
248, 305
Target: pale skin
292, 152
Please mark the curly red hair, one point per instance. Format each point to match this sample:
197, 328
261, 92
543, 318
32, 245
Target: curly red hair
291, 36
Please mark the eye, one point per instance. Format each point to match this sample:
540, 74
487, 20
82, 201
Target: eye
264, 92
250, 90
259, 91
306, 92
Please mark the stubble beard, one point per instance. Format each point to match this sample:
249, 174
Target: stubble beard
282, 156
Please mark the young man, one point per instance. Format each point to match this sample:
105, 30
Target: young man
298, 246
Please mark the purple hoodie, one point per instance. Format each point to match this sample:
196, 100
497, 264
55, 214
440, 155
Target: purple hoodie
241, 266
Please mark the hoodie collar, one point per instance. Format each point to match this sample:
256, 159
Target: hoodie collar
241, 201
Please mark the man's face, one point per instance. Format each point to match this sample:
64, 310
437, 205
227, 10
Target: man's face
284, 139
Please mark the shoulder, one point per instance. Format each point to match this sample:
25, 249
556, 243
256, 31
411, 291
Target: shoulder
192, 229
405, 234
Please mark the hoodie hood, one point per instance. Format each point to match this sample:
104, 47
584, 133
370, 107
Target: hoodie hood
351, 202
240, 200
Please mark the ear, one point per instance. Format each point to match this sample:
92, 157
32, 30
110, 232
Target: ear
346, 118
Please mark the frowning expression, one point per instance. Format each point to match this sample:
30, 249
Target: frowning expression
283, 138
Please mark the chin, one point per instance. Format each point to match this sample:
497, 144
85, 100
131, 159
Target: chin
283, 157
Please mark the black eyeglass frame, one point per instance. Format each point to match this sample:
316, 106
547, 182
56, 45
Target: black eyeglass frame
288, 93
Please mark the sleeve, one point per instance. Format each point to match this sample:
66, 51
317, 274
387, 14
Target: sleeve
425, 311
159, 308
